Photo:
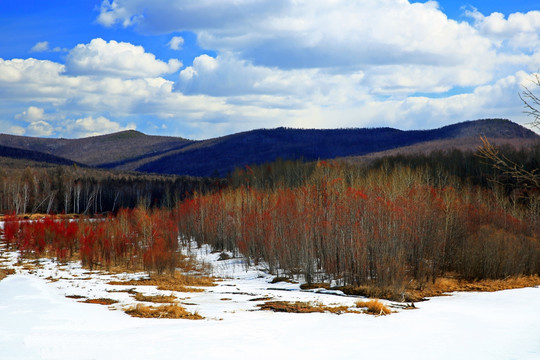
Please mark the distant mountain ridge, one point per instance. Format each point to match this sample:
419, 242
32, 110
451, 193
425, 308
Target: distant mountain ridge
132, 150
22, 154
96, 150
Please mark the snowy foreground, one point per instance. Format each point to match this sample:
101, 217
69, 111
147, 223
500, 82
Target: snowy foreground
37, 321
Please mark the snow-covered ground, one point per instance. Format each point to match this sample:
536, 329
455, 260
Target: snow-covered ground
37, 321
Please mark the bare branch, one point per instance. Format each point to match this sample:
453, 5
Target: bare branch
532, 101
528, 179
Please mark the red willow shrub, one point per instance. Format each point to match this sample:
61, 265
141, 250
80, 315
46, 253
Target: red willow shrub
11, 228
135, 239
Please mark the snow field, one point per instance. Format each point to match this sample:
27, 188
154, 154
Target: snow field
37, 321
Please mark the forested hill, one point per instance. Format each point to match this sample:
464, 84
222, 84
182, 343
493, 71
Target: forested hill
132, 150
254, 147
96, 150
35, 156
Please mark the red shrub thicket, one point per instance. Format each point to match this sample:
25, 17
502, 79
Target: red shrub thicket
134, 239
382, 228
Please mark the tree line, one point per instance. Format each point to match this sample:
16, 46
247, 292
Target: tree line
72, 189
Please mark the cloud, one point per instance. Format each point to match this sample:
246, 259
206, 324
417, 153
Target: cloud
16, 130
111, 13
400, 47
90, 126
224, 76
40, 47
43, 46
312, 34
519, 32
37, 124
31, 114
117, 59
39, 128
244, 83
176, 43
41, 124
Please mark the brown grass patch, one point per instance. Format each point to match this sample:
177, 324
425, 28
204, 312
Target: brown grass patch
416, 292
282, 279
6, 272
374, 307
264, 298
160, 299
100, 301
129, 291
75, 297
30, 267
178, 282
42, 216
162, 312
315, 286
445, 285
302, 307
371, 292
190, 264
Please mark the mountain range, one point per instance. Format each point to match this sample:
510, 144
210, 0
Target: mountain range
134, 151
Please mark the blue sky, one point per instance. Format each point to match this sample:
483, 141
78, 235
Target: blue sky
205, 68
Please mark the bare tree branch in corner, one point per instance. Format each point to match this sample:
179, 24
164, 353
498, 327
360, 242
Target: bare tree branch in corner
527, 179
532, 102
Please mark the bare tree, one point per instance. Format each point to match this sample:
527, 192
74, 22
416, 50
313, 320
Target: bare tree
532, 101
528, 179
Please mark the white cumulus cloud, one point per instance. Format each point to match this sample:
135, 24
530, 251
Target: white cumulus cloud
90, 126
119, 59
40, 47
31, 114
39, 128
176, 43
518, 30
43, 46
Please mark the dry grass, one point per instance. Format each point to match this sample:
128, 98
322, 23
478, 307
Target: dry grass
374, 307
6, 272
100, 301
189, 264
161, 312
178, 282
371, 292
302, 307
315, 286
42, 216
449, 284
416, 292
75, 297
160, 299
282, 279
